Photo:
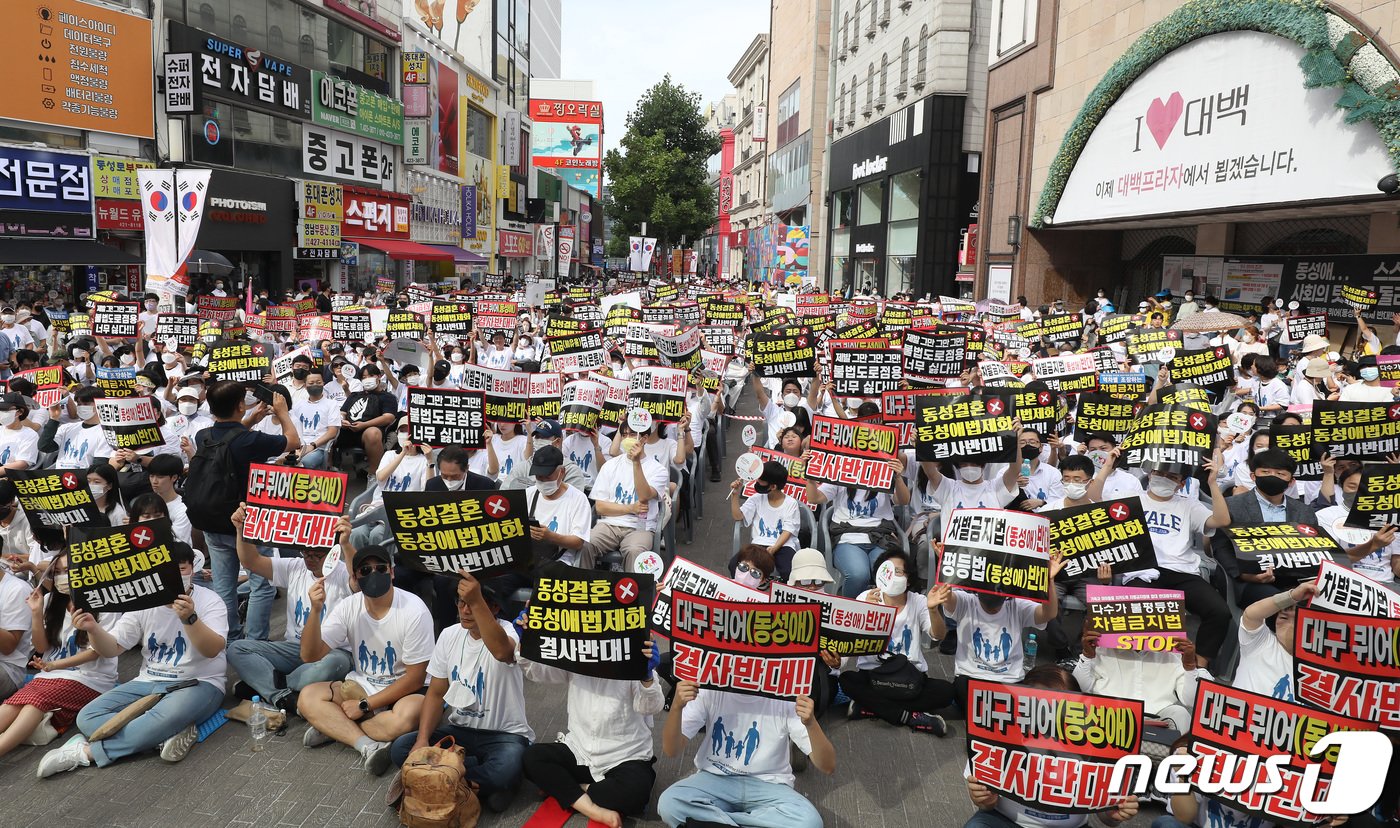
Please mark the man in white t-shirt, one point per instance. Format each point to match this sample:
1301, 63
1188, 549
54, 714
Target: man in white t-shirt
497, 355
627, 492
743, 767
990, 629
274, 669
1266, 656
15, 630
19, 445
317, 420
181, 642
562, 515
79, 442
389, 635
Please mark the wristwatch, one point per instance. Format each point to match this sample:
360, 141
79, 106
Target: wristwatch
194, 616
364, 705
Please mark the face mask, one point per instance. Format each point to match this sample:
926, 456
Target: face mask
87, 412
457, 356
187, 581
8, 319
370, 383
150, 306
1190, 298
375, 585
1270, 485
189, 408
970, 474
1370, 374
547, 487
1076, 491
761, 487
748, 579
98, 489
8, 418
348, 372
60, 583
249, 400
219, 286
889, 582
169, 358
455, 485
791, 400
1349, 498
1162, 487
1247, 338
300, 374
128, 360
1030, 452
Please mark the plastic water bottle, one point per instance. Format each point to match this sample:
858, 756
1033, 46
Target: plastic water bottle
257, 723
1025, 468
1032, 647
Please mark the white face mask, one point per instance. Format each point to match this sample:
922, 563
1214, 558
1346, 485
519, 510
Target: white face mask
1076, 491
791, 400
455, 485
370, 383
547, 487
250, 400
128, 360
1162, 487
8, 319
98, 489
7, 418
890, 583
168, 358
86, 412
970, 474
187, 581
188, 408
458, 356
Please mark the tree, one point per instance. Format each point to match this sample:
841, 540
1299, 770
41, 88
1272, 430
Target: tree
660, 177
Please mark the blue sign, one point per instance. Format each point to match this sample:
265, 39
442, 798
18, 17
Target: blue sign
597, 253
468, 212
50, 182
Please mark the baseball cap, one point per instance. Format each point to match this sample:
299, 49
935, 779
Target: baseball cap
545, 461
187, 392
11, 402
371, 552
548, 429
809, 565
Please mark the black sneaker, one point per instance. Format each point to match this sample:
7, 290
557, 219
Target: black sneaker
949, 644
855, 711
287, 703
927, 723
243, 690
498, 801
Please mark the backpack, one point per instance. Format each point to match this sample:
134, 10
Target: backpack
213, 485
436, 793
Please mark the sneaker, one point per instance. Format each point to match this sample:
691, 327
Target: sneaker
287, 703
855, 711
44, 733
498, 801
949, 644
376, 758
61, 760
313, 738
243, 690
177, 747
927, 723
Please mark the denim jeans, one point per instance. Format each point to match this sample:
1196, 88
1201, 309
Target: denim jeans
371, 534
258, 663
1169, 821
854, 561
736, 800
223, 560
316, 459
172, 714
494, 758
989, 819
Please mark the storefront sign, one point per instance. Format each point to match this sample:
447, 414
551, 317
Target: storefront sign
342, 105
415, 67
513, 245
248, 212
511, 137
116, 177
179, 82
248, 77
349, 157
320, 210
469, 212
119, 215
376, 214
45, 194
415, 141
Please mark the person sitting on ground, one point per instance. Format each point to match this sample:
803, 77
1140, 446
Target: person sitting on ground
771, 515
1165, 683
15, 628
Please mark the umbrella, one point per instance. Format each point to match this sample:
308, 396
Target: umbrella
1209, 322
208, 262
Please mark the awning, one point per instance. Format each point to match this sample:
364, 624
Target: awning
398, 249
62, 252
459, 255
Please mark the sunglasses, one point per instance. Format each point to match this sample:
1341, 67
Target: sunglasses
744, 567
369, 569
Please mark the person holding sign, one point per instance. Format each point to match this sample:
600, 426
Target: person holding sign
496, 355
1266, 656
771, 515
1165, 683
1272, 471
19, 447
1369, 389
1378, 557
859, 518
627, 493
183, 650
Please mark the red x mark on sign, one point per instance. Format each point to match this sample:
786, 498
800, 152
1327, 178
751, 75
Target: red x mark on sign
258, 350
625, 591
497, 506
1045, 398
1198, 421
994, 406
1305, 529
70, 480
1395, 412
1219, 353
142, 537
1118, 511
802, 342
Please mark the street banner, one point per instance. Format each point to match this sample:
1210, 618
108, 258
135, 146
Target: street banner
483, 532
116, 319
1362, 430
440, 417
1342, 589
1297, 327
963, 427
1170, 435
55, 498
182, 327
1211, 368
1068, 374
351, 326
589, 622
1112, 532
1050, 750
1135, 618
719, 338
679, 350
546, 390
997, 551
401, 322
1377, 498
293, 507
1115, 327
849, 627
124, 569
796, 486
1099, 413
783, 354
115, 382
582, 401
1124, 385
615, 404
451, 319
239, 361
577, 353
130, 423
852, 453
50, 383
756, 649
684, 576
507, 393
1185, 393
933, 356
640, 343
1042, 410
1297, 442
1144, 344
661, 391
1348, 665
1294, 551
863, 372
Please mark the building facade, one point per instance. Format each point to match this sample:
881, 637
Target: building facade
749, 173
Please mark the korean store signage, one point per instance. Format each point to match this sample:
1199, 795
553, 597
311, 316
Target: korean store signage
340, 155
375, 214
247, 77
345, 106
45, 194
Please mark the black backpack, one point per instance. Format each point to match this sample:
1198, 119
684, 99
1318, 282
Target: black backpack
213, 486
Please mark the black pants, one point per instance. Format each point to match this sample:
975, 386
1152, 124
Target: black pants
712, 450
625, 789
1202, 600
936, 695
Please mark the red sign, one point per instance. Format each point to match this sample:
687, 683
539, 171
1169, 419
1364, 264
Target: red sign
118, 215
552, 110
514, 245
967, 256
375, 214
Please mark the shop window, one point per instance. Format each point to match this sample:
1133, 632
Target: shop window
871, 199
904, 65
789, 107
842, 205
923, 53
869, 87
904, 195
479, 133
884, 76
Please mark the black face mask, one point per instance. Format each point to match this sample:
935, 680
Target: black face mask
375, 584
761, 487
314, 391
300, 374
1030, 452
1270, 485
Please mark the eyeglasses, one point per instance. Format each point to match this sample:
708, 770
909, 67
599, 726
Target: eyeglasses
744, 567
369, 569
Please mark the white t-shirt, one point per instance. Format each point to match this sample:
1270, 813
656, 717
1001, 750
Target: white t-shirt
408, 476
381, 648
616, 483
1361, 392
571, 513
165, 642
663, 451
769, 523
497, 690
745, 735
988, 493
489, 357
292, 575
80, 445
15, 617
1265, 666
911, 628
509, 454
314, 417
989, 644
578, 449
23, 444
100, 674
1376, 565
1174, 524
1045, 483
19, 337
867, 508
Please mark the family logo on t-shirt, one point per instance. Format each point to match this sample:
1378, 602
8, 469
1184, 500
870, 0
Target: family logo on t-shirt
74, 452
765, 532
478, 690
302, 612
624, 497
992, 653
398, 483
585, 462
1283, 690
906, 641
862, 508
69, 648
162, 652
373, 664
736, 746
310, 424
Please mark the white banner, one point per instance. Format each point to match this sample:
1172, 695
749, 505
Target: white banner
640, 250
158, 218
348, 157
192, 187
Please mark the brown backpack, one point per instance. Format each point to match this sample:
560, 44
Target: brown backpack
436, 793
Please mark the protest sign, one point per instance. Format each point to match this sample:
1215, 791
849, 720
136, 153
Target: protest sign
783, 354
1296, 441
350, 326
1377, 498
1115, 327
451, 319
116, 319
216, 308
759, 649
967, 428
615, 404
1211, 368
293, 507
507, 393
865, 372
1041, 410
490, 324
997, 551
1297, 327
996, 373
933, 356
852, 453
1170, 435
440, 417
661, 391
728, 314
485, 533
123, 568
1068, 373
1348, 665
1135, 618
619, 318
1112, 532
796, 486
1293, 551
581, 403
1342, 589
181, 327
546, 391
896, 318
306, 306
1185, 393
719, 338
639, 343
1363, 430
129, 423
1060, 328
55, 497
849, 627
1002, 311
576, 353
239, 361
115, 382
1099, 413
282, 366
403, 322
774, 319
1050, 750
1389, 366
684, 576
1144, 344
679, 350
50, 382
279, 319
1360, 298
559, 326
1124, 385
899, 409
589, 622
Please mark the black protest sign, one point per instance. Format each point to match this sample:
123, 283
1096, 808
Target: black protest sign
858, 330
123, 568
440, 417
451, 319
1060, 328
1377, 498
784, 354
1184, 393
577, 353
239, 361
933, 356
773, 319
849, 627
852, 453
1145, 343
615, 404
350, 326
688, 577
1068, 373
401, 322
1296, 441
181, 327
589, 622
1363, 430
556, 325
1342, 590
130, 423
866, 372
1170, 435
1050, 750
619, 318
1297, 327
661, 391
1115, 327
679, 350
900, 409
116, 319
1041, 410
967, 428
997, 551
1210, 368
581, 404
658, 314
485, 533
897, 317
1361, 298
1230, 726
1136, 618
749, 648
1348, 665
1293, 551
729, 314
1101, 413
1112, 532
1125, 385
293, 507
55, 498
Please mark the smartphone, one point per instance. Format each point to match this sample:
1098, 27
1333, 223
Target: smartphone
261, 390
